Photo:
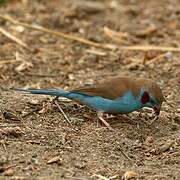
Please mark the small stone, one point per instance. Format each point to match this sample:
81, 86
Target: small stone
129, 175
33, 102
149, 139
166, 146
169, 55
80, 165
71, 76
10, 116
133, 66
8, 172
19, 28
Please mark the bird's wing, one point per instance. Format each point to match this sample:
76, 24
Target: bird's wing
109, 89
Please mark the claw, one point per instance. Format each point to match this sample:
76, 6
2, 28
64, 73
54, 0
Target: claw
100, 117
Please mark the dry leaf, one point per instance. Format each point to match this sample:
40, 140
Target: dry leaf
55, 159
117, 36
13, 38
151, 29
23, 66
8, 172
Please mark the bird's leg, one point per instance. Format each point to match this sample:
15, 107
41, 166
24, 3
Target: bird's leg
55, 99
100, 117
110, 116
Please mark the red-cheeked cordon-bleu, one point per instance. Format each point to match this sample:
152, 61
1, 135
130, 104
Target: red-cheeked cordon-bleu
115, 95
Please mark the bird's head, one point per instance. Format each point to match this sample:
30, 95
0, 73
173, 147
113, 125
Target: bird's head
152, 96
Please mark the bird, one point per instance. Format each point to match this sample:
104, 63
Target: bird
116, 95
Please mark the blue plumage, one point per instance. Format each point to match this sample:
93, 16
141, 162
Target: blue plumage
125, 104
117, 95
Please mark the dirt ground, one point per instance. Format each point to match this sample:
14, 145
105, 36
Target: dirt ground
36, 141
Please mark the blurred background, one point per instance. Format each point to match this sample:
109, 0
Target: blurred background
66, 43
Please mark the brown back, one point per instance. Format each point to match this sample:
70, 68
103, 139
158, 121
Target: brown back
116, 87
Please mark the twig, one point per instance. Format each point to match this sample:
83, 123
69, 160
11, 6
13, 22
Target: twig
3, 144
159, 57
95, 52
40, 75
109, 32
66, 36
8, 125
113, 177
145, 32
100, 177
126, 156
9, 166
117, 36
30, 113
63, 113
13, 38
88, 42
149, 48
9, 61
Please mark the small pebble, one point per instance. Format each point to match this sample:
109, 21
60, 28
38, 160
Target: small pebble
80, 165
8, 172
10, 116
33, 102
149, 139
129, 175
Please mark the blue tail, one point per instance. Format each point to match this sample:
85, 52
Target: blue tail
94, 102
124, 104
51, 92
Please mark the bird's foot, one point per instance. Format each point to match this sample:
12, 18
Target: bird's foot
55, 100
100, 117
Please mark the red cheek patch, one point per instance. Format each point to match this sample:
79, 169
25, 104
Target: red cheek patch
145, 98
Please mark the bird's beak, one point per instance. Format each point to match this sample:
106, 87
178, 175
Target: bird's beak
157, 108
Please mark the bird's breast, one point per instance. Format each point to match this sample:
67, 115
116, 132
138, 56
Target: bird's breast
124, 104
